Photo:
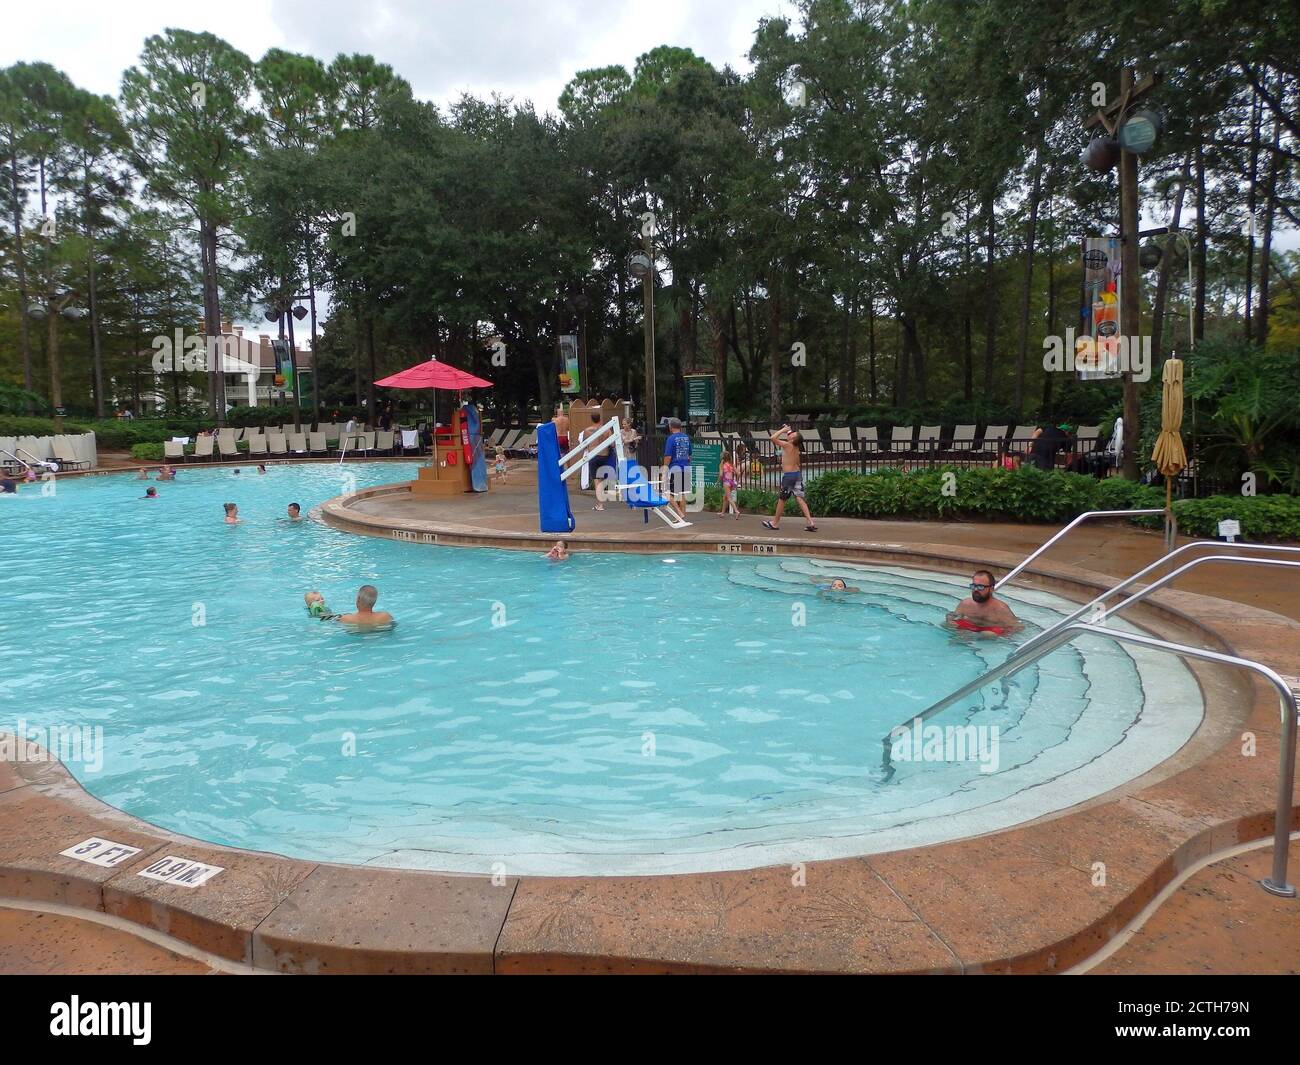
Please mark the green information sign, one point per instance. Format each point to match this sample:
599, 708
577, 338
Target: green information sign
709, 458
701, 396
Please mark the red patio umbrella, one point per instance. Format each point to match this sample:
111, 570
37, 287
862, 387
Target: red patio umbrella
434, 374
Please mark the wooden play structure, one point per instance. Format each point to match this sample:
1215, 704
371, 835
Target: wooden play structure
448, 472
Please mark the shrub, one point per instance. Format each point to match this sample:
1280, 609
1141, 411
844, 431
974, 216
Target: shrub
1033, 495
147, 452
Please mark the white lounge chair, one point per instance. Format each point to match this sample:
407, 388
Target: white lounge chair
900, 439
963, 438
203, 447
226, 446
841, 438
993, 437
812, 440
66, 454
868, 439
927, 439
173, 449
276, 444
317, 444
384, 441
298, 443
257, 445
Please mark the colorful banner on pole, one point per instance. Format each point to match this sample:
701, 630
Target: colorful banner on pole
283, 364
1097, 349
569, 383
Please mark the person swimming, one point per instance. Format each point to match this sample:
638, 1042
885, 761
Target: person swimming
981, 612
316, 607
365, 613
150, 493
559, 552
295, 512
837, 584
232, 513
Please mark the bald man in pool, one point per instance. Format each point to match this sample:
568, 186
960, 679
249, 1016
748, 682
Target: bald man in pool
981, 612
366, 614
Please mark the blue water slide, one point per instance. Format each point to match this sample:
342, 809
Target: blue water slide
552, 493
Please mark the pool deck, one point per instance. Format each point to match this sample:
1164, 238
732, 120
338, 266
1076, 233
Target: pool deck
1042, 897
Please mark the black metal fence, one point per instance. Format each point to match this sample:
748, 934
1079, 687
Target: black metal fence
758, 459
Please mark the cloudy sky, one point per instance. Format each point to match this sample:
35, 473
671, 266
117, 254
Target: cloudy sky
522, 48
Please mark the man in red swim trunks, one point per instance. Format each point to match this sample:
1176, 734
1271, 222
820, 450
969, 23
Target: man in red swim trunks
981, 613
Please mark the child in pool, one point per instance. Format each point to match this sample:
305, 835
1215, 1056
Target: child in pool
232, 513
727, 475
316, 606
838, 584
558, 553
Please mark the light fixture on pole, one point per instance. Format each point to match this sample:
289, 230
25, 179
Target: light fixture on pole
641, 266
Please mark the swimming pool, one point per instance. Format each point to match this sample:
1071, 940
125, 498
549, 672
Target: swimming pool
612, 714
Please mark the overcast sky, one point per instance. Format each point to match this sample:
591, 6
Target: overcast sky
522, 48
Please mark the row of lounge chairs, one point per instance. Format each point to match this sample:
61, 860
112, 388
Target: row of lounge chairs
513, 441
19, 452
907, 439
224, 445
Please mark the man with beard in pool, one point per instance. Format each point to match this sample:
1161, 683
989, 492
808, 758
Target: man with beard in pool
981, 613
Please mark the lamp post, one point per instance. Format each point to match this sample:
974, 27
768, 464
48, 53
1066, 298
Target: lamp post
642, 266
281, 309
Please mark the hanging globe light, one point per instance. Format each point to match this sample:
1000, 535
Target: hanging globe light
1101, 154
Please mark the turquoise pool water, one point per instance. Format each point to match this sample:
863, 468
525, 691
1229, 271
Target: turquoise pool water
616, 713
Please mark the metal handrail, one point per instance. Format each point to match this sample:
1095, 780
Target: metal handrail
20, 462
1063, 531
1157, 584
1276, 884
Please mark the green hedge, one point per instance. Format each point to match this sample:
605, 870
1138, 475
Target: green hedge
1026, 495
110, 433
147, 452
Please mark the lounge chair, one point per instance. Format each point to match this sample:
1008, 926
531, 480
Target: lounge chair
841, 438
495, 438
963, 438
226, 446
900, 439
276, 444
298, 443
384, 441
993, 437
409, 440
812, 441
257, 445
203, 447
927, 439
526, 445
1086, 438
173, 449
1021, 438
66, 454
868, 439
316, 444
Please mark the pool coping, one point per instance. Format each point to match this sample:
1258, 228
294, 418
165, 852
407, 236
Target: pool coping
1032, 898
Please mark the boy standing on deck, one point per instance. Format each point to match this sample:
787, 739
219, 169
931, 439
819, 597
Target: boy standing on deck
791, 445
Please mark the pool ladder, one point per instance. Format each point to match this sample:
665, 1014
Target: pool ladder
1067, 628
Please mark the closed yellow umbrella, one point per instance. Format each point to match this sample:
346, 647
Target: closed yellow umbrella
1169, 455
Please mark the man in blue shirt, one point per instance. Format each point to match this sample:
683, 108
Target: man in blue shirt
677, 464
